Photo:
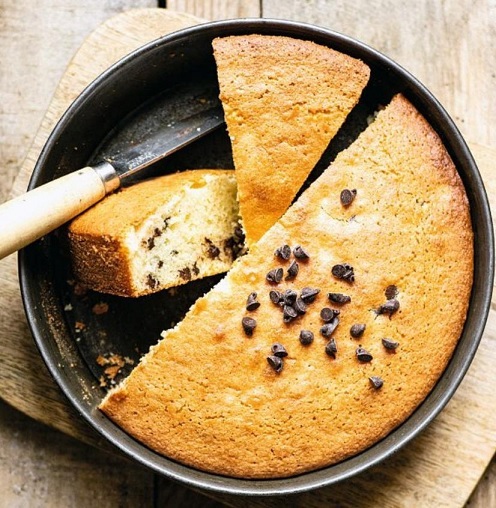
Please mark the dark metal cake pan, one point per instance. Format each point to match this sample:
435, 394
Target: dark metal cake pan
155, 83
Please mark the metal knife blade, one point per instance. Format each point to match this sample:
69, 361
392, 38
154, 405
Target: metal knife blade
168, 140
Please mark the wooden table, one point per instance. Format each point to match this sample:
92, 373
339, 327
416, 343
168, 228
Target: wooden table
448, 45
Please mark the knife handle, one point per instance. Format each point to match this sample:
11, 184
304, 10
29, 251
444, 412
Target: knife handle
28, 217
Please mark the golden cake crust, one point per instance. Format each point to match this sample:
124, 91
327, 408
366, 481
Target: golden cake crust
284, 100
205, 395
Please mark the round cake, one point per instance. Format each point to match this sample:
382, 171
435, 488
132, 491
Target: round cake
331, 331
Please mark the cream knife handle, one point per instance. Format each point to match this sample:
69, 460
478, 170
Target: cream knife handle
28, 217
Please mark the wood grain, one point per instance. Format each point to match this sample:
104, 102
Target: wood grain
41, 467
446, 45
441, 467
37, 40
217, 9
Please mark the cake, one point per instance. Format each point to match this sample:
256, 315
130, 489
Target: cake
284, 99
158, 233
331, 331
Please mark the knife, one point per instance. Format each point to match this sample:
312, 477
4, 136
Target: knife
32, 215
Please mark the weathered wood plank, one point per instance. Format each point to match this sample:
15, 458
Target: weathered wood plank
217, 9
444, 44
37, 40
41, 467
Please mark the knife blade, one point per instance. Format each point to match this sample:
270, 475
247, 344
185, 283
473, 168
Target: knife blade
32, 215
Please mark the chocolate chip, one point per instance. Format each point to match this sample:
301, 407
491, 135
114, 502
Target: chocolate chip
390, 307
276, 297
275, 362
331, 349
363, 355
275, 275
300, 306
327, 314
249, 325
343, 271
339, 298
289, 313
234, 245
300, 253
328, 329
347, 196
290, 296
306, 337
251, 302
308, 295
283, 252
213, 251
151, 282
279, 350
293, 270
376, 382
356, 331
185, 273
391, 292
390, 344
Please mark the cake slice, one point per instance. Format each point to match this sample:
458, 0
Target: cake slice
384, 249
284, 99
158, 233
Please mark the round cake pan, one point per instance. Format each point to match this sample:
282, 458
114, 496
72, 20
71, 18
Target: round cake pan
155, 83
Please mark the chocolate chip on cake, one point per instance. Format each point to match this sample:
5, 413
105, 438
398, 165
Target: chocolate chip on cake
213, 252
300, 306
357, 330
306, 337
279, 350
290, 296
327, 314
343, 271
363, 355
289, 313
328, 329
339, 298
185, 273
347, 196
376, 382
308, 295
300, 253
151, 281
283, 252
275, 362
389, 307
331, 349
276, 297
292, 270
390, 344
252, 303
249, 324
391, 292
275, 275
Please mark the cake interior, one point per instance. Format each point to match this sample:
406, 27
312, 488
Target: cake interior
207, 247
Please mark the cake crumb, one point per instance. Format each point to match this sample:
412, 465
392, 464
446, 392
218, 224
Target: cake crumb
100, 308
